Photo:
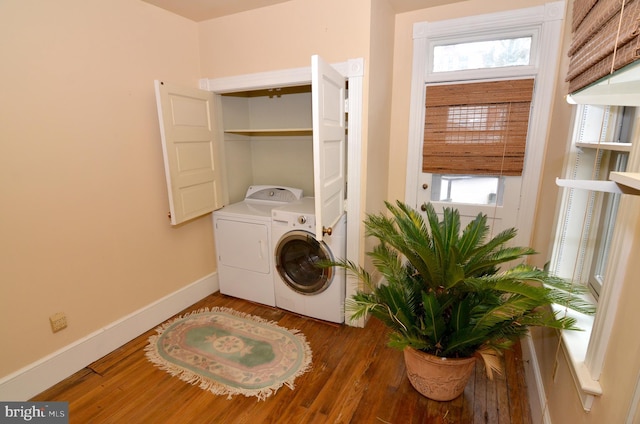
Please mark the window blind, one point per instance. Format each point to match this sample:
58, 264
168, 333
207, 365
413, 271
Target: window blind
606, 37
477, 128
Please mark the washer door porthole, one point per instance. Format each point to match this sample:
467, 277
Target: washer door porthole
297, 256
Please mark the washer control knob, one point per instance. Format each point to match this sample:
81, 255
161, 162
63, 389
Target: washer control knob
302, 219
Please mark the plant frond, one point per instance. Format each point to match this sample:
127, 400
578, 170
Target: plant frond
492, 360
407, 234
509, 310
473, 234
433, 323
466, 341
359, 272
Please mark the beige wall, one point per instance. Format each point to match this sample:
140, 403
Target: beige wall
380, 84
83, 225
378, 140
284, 36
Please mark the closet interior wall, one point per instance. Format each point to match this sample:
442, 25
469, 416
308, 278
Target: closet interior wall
268, 139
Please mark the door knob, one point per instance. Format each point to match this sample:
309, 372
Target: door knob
425, 186
326, 231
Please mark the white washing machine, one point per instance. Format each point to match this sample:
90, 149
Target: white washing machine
299, 285
242, 233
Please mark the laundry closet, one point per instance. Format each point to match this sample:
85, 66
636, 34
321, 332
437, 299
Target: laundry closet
235, 136
268, 139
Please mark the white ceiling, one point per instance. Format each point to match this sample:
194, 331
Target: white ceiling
201, 10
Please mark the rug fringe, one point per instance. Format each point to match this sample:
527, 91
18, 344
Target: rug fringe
230, 311
151, 352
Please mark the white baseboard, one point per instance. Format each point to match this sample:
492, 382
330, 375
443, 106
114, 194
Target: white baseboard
535, 386
44, 373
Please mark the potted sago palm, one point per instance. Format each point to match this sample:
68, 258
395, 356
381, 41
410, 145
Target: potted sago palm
445, 297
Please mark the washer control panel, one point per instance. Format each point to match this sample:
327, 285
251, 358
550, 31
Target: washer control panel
273, 194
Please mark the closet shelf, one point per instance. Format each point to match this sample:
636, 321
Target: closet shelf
272, 132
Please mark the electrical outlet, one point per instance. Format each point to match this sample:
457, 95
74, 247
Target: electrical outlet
58, 321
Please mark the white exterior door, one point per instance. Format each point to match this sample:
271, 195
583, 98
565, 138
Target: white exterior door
193, 177
457, 50
329, 150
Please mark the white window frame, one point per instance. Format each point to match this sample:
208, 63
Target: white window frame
544, 24
577, 257
585, 351
532, 31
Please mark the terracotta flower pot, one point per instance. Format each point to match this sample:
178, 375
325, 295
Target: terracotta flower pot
435, 377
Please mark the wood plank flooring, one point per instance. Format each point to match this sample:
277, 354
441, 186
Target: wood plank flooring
355, 378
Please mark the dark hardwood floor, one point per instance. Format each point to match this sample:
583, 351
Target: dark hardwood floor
355, 378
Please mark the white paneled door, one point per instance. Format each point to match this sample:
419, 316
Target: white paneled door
193, 179
329, 149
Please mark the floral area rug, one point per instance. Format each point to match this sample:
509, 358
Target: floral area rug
228, 352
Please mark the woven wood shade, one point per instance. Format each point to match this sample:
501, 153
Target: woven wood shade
597, 47
478, 128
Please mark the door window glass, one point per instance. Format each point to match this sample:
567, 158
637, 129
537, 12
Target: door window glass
470, 189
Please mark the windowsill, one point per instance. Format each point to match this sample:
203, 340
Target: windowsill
574, 346
629, 179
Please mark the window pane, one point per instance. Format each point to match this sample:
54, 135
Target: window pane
604, 235
603, 232
470, 189
482, 54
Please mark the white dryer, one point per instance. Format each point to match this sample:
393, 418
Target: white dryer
242, 233
301, 286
